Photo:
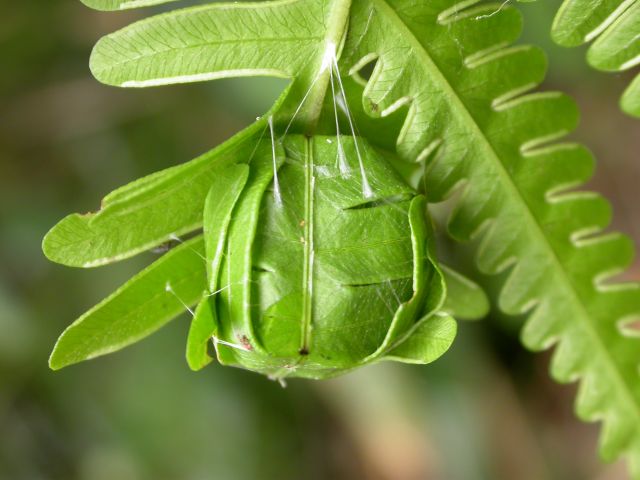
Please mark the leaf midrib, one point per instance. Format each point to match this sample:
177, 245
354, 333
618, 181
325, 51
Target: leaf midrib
528, 216
308, 252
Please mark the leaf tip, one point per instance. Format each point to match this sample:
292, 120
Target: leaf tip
96, 5
59, 244
58, 361
430, 341
630, 100
51, 245
98, 63
197, 365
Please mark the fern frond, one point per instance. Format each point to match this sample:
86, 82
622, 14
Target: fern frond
212, 41
471, 118
615, 27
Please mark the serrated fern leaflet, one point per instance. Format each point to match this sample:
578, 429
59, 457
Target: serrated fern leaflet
614, 28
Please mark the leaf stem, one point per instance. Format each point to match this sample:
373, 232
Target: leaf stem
303, 106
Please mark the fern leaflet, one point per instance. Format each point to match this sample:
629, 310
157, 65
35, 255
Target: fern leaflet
614, 26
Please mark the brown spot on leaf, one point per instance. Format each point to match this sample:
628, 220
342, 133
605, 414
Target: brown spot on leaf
244, 341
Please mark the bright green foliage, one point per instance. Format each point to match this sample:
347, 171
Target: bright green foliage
486, 132
221, 199
470, 120
465, 299
317, 278
286, 268
162, 203
137, 309
210, 42
427, 343
615, 27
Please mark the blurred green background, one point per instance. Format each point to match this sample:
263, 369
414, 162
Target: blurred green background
487, 410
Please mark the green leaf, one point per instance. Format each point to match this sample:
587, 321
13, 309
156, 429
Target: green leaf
466, 300
618, 47
322, 278
235, 320
223, 195
203, 327
287, 38
167, 203
429, 289
213, 41
429, 341
122, 4
615, 27
471, 119
137, 309
630, 100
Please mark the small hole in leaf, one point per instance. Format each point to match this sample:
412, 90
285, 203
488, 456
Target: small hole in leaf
366, 71
363, 70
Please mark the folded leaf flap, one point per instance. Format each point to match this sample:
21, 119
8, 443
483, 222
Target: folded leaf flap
428, 342
203, 327
225, 190
466, 300
235, 277
429, 290
138, 308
